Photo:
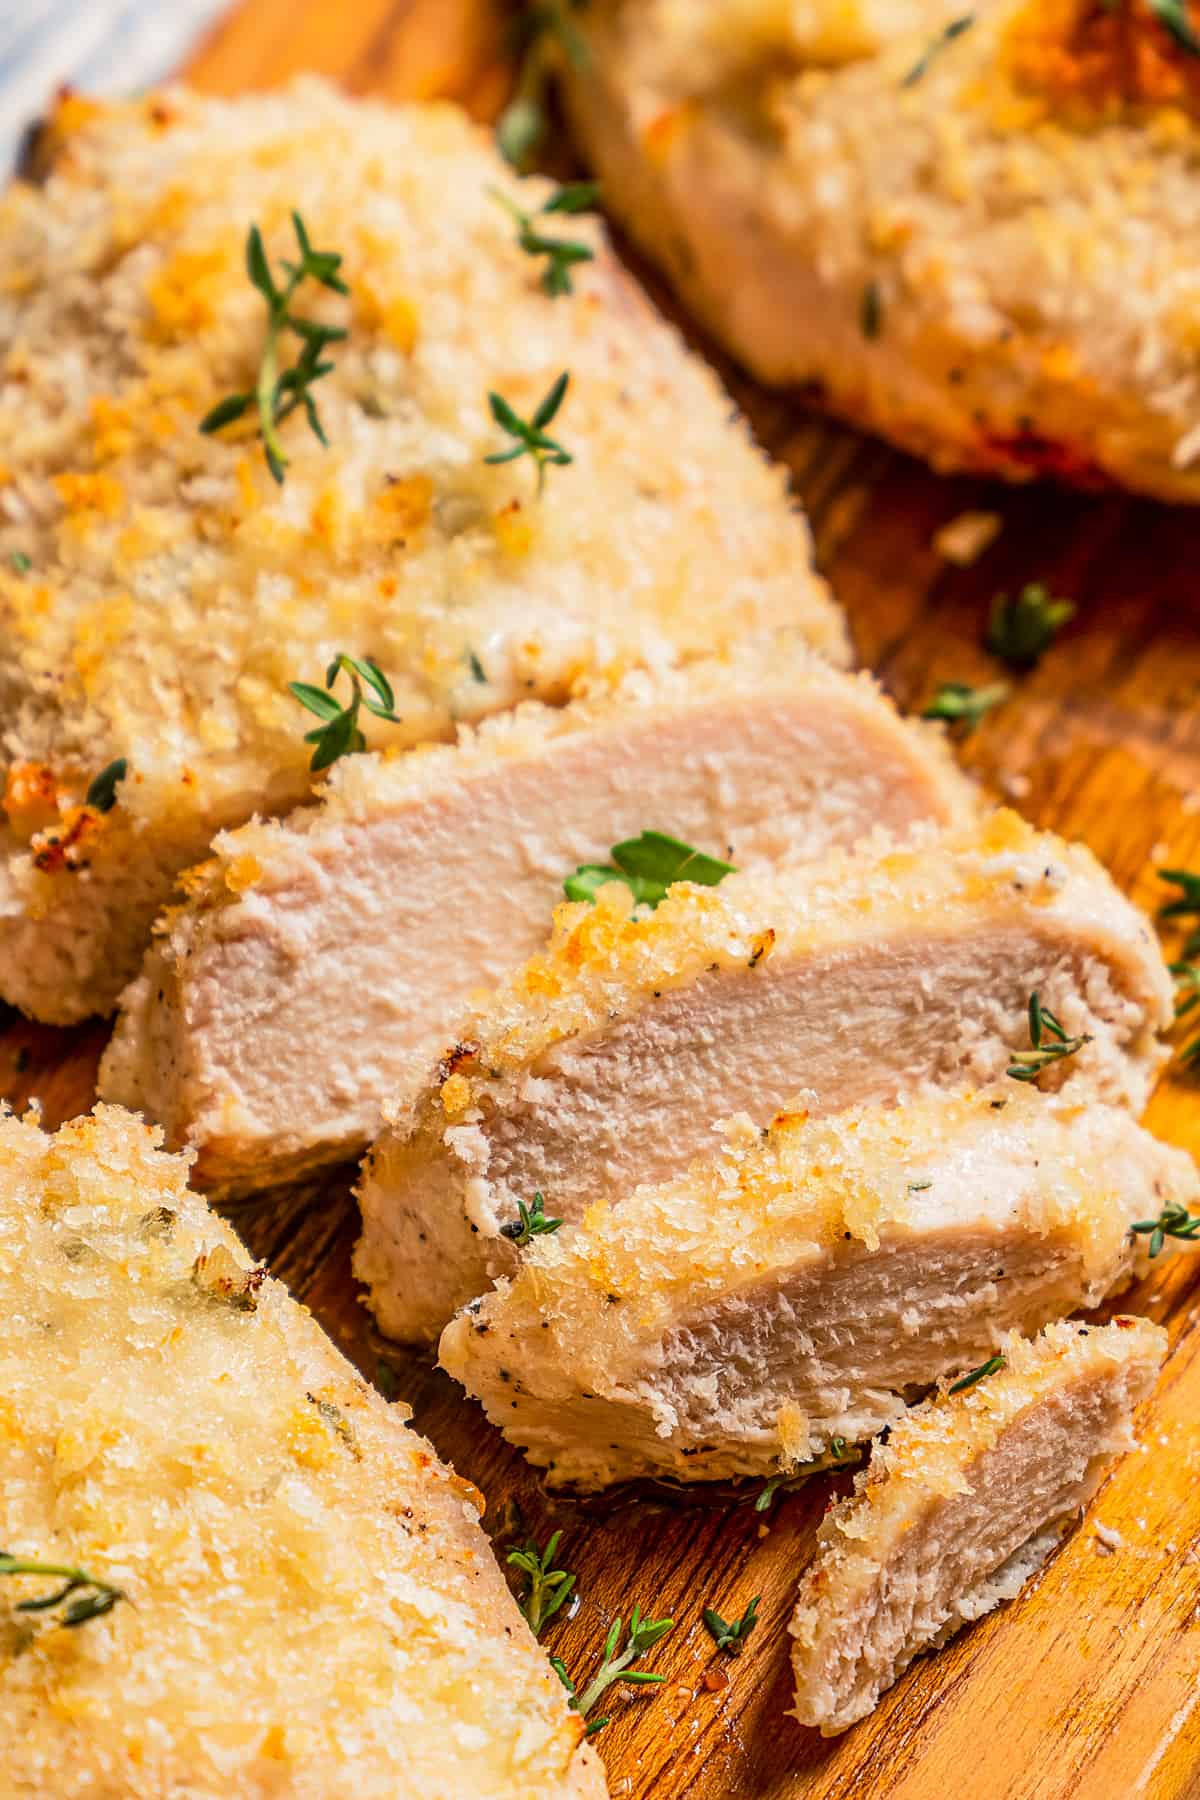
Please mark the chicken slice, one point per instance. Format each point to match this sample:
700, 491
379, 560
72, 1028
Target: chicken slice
793, 1293
425, 878
957, 1509
604, 1062
160, 589
309, 1605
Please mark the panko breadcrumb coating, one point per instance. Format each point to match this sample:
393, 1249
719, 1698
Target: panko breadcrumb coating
961, 1504
158, 589
970, 228
310, 1607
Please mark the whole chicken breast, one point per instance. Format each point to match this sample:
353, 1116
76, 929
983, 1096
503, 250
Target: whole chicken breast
966, 227
159, 590
424, 878
963, 1502
308, 1605
780, 1303
605, 1061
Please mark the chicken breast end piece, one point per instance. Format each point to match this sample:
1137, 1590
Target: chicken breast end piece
960, 1505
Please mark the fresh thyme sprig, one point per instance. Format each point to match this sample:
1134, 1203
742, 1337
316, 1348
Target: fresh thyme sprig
275, 395
643, 1635
1186, 905
19, 562
1173, 15
1049, 1043
946, 36
647, 865
837, 1451
530, 434
562, 254
1174, 1221
1020, 631
960, 704
92, 1597
341, 735
1185, 968
531, 1222
732, 1636
547, 1588
102, 793
990, 1367
523, 123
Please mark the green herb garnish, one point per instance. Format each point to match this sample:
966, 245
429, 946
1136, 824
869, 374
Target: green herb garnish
732, 1637
102, 793
953, 30
1020, 631
19, 562
531, 1222
531, 434
340, 735
1049, 1043
647, 865
960, 704
980, 1374
643, 1635
547, 1588
838, 1450
275, 395
92, 1597
523, 124
870, 311
1173, 16
1185, 905
1174, 1221
562, 254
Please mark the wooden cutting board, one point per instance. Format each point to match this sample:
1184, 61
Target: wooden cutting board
1085, 1688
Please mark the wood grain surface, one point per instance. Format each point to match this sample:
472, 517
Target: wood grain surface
1086, 1687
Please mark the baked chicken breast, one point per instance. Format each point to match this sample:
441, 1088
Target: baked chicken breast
605, 1061
781, 1302
160, 588
308, 1605
964, 1501
967, 228
424, 878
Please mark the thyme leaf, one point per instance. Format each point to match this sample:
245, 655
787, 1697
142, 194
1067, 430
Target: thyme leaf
945, 37
732, 1636
960, 704
340, 733
1173, 1221
275, 395
530, 434
838, 1450
562, 254
1173, 16
1049, 1043
530, 1223
82, 1596
870, 311
616, 1666
523, 124
1020, 631
546, 1588
648, 865
968, 1380
102, 793
19, 562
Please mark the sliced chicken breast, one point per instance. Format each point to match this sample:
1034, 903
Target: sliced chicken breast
603, 1063
159, 589
308, 1605
423, 879
967, 227
787, 1298
963, 1502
